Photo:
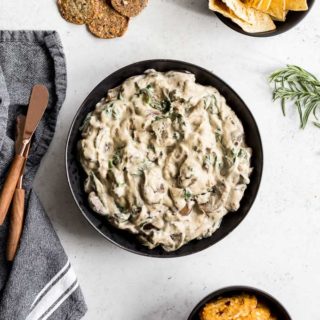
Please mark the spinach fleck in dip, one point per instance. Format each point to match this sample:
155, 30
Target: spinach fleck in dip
165, 158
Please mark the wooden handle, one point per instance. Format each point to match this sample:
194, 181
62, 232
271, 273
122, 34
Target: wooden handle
16, 223
10, 186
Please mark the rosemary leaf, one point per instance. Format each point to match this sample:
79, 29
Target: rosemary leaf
296, 85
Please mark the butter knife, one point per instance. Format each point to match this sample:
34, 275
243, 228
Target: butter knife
37, 105
18, 201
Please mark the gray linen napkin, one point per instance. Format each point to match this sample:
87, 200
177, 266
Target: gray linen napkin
40, 284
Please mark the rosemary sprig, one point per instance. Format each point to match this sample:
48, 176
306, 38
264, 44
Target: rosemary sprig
299, 86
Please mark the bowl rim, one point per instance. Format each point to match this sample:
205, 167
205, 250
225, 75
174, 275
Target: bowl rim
266, 34
241, 288
185, 64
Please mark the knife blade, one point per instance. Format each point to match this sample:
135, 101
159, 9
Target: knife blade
37, 104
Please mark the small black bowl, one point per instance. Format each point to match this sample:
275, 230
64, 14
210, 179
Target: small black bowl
275, 306
293, 18
76, 175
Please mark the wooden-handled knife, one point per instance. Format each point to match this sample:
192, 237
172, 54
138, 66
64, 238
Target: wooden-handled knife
37, 105
17, 207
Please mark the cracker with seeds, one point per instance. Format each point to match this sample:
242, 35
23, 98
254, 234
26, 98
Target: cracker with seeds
108, 23
78, 11
129, 8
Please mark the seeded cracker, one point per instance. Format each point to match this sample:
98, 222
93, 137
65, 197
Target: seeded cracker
129, 8
77, 11
108, 23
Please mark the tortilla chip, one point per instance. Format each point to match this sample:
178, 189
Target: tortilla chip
275, 8
254, 17
296, 5
261, 5
278, 10
249, 19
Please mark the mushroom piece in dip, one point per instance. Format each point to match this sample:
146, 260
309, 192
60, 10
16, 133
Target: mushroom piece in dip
165, 158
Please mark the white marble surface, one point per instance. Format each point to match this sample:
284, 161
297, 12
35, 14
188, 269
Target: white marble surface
276, 248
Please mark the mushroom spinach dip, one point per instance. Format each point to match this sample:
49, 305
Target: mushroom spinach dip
165, 158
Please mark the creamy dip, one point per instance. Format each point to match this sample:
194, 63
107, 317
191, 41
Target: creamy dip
165, 158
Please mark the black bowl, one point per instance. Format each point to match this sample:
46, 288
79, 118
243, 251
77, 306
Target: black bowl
293, 18
275, 306
76, 175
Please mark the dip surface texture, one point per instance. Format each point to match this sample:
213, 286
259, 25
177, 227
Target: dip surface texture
165, 158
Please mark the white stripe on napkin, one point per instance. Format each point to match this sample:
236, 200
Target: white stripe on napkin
55, 295
53, 280
60, 300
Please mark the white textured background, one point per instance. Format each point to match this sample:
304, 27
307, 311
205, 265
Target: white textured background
276, 248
